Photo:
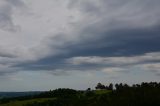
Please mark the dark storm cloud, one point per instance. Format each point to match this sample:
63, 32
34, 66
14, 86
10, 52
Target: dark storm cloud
117, 43
109, 28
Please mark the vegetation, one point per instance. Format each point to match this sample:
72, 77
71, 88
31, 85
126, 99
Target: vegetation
24, 102
144, 94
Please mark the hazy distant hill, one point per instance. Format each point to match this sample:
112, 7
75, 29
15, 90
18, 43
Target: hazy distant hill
17, 94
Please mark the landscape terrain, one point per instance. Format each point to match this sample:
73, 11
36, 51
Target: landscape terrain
144, 94
79, 52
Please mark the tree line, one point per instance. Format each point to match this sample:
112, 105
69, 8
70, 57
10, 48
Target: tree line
144, 94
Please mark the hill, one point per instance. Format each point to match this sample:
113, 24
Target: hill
145, 94
17, 94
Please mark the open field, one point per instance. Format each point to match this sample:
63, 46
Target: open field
24, 102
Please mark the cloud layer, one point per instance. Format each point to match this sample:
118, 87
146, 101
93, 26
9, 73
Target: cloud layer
79, 35
148, 61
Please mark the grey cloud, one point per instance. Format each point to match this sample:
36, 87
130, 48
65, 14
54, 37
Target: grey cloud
120, 13
158, 74
149, 57
122, 26
98, 63
59, 72
17, 3
125, 62
153, 67
7, 69
5, 53
109, 28
120, 48
6, 12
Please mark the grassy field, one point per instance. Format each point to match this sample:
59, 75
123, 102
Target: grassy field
21, 103
41, 100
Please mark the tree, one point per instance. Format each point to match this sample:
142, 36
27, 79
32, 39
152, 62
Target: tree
100, 86
88, 89
110, 86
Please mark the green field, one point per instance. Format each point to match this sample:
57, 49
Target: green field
24, 102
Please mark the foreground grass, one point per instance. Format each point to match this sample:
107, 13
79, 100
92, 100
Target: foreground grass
42, 100
24, 102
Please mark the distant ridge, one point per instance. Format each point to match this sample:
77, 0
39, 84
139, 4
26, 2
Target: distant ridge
17, 94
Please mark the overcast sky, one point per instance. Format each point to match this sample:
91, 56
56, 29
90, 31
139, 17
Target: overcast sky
47, 44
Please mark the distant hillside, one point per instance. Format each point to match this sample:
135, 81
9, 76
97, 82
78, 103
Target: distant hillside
17, 94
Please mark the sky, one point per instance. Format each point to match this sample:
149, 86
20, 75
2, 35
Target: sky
49, 44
